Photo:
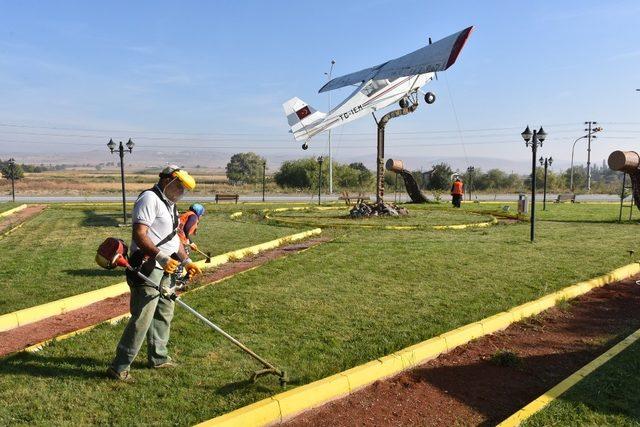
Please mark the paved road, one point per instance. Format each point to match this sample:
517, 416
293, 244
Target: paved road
402, 197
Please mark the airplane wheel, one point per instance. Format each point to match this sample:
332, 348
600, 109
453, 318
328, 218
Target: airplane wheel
404, 103
305, 146
429, 97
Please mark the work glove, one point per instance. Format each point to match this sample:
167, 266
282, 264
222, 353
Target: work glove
193, 246
193, 269
167, 263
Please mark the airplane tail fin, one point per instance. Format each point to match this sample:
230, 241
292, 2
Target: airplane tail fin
301, 118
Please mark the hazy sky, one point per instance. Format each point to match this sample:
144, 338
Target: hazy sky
210, 74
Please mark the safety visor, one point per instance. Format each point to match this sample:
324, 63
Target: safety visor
187, 180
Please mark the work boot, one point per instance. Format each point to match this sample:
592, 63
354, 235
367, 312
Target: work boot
123, 376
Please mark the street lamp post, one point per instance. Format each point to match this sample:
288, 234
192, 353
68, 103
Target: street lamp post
536, 138
12, 171
546, 162
470, 172
112, 146
264, 177
320, 160
329, 132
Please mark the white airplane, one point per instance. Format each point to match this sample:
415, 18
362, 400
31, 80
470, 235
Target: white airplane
377, 87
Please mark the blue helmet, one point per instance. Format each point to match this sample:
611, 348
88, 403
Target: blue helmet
197, 208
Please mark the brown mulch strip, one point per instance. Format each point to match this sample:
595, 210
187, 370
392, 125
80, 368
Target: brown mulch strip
14, 219
24, 336
471, 385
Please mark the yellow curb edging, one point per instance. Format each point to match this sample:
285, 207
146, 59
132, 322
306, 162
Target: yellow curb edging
12, 211
555, 392
292, 402
493, 221
33, 314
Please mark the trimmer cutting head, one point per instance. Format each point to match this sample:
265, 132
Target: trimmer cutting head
282, 375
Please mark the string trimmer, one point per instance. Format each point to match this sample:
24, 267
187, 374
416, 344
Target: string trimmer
112, 253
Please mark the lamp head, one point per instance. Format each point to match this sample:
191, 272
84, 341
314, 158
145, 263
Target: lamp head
526, 135
111, 145
130, 145
542, 135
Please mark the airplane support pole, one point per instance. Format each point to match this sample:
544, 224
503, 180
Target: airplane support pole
380, 152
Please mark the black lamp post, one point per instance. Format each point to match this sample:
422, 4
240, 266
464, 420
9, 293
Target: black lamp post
264, 177
546, 162
534, 139
12, 172
121, 149
470, 172
320, 160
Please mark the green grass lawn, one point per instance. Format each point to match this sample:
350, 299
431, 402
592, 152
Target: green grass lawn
361, 296
609, 396
52, 255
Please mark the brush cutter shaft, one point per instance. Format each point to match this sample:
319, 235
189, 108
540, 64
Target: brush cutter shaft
211, 324
201, 253
226, 335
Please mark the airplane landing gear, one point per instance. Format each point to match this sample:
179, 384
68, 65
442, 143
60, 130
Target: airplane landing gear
429, 97
305, 146
404, 103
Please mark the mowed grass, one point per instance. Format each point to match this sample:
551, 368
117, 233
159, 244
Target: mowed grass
607, 397
361, 296
52, 255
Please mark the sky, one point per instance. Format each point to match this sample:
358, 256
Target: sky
212, 75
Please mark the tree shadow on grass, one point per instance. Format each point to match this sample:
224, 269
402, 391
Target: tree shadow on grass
93, 219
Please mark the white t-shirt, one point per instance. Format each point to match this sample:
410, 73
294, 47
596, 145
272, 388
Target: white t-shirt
154, 213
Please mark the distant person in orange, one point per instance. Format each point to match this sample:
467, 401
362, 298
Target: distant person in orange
457, 191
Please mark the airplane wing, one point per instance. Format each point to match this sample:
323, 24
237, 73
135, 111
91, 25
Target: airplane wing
432, 58
351, 79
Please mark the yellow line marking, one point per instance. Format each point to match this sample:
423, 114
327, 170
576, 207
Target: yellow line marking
552, 394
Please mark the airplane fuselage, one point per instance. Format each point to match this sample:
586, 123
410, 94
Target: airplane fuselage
369, 97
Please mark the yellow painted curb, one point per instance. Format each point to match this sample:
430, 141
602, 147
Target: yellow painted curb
12, 211
33, 314
542, 401
493, 221
303, 398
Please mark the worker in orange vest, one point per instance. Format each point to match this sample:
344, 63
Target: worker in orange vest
456, 192
188, 225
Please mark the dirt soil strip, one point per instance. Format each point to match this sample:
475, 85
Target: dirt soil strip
11, 221
22, 337
471, 385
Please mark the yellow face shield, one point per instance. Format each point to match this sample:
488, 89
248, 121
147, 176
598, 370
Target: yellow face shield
185, 179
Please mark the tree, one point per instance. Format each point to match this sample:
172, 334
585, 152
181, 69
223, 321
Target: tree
11, 170
297, 173
245, 167
440, 177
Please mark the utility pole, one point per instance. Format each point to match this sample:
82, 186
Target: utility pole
329, 132
264, 178
589, 154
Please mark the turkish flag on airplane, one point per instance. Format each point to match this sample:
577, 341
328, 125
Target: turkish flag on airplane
303, 112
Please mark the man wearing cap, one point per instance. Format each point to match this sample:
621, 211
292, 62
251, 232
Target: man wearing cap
154, 248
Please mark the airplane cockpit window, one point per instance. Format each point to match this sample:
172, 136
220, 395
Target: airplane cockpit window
374, 86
